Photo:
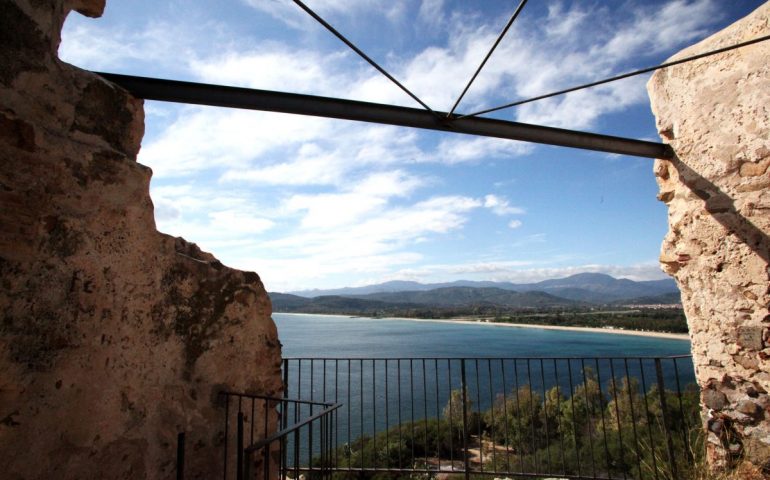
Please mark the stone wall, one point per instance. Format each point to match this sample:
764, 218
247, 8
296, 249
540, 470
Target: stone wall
715, 113
113, 337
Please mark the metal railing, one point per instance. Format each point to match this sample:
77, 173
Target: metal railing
609, 418
269, 437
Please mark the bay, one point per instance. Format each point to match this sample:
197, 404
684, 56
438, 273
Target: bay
345, 337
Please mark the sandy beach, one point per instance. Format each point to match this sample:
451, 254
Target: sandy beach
471, 321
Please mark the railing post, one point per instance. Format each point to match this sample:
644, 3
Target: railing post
239, 452
284, 420
664, 412
180, 456
463, 385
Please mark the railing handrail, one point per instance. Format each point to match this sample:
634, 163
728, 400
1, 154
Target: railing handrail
277, 435
638, 357
274, 399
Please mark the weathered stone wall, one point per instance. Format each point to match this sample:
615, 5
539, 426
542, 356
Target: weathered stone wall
715, 113
113, 337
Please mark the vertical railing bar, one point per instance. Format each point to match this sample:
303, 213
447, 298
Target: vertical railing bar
545, 417
600, 393
492, 410
572, 393
252, 422
323, 377
532, 416
374, 411
518, 410
633, 418
411, 398
463, 386
227, 436
361, 408
299, 382
558, 417
266, 418
336, 417
296, 449
398, 386
284, 418
685, 423
239, 440
649, 420
505, 416
322, 440
387, 418
311, 425
478, 407
438, 417
664, 412
590, 406
451, 416
425, 409
617, 417
349, 451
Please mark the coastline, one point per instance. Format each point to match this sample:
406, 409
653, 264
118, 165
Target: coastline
469, 321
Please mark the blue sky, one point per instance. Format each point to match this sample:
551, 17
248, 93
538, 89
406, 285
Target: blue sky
319, 203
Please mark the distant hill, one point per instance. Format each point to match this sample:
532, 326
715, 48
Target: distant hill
597, 288
469, 296
439, 302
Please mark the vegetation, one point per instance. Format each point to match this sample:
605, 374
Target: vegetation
656, 320
618, 433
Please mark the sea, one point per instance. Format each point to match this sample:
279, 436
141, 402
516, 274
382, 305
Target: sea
322, 336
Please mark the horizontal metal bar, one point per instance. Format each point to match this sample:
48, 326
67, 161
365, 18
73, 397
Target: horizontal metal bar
291, 428
246, 98
274, 399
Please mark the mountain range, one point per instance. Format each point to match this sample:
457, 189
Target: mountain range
581, 290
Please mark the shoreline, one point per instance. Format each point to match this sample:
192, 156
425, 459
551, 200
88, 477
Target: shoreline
469, 321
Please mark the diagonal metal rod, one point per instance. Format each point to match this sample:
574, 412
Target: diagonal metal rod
246, 98
619, 77
489, 54
362, 54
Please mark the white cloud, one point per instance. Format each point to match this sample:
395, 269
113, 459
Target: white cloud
514, 224
203, 138
500, 206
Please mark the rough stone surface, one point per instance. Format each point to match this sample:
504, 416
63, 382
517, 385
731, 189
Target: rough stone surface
715, 113
113, 337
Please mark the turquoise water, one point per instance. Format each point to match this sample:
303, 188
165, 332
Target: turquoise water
343, 337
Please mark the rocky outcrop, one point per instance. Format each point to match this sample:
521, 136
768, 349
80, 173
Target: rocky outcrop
113, 337
715, 113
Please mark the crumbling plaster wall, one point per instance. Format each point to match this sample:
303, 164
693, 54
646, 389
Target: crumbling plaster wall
113, 336
715, 113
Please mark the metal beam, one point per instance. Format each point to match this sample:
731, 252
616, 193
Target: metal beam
264, 100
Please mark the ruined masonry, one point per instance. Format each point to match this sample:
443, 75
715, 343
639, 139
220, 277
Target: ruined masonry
113, 336
715, 113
